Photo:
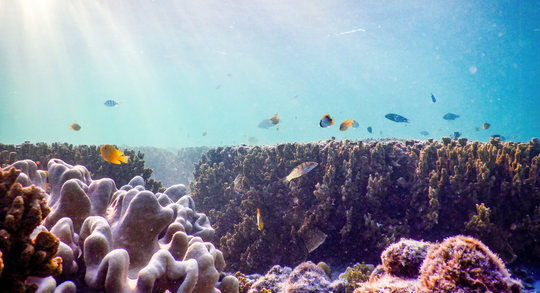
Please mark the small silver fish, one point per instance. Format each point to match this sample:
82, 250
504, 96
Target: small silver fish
300, 170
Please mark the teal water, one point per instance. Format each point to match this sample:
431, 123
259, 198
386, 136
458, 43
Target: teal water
60, 60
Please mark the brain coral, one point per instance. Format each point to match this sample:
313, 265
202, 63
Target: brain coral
21, 211
128, 240
363, 196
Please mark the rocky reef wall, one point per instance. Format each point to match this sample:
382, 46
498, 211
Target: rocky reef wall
364, 196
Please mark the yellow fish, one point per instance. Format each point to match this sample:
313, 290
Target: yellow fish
300, 170
260, 223
275, 119
75, 126
112, 155
345, 125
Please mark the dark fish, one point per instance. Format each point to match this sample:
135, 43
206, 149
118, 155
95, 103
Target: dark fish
370, 129
326, 121
396, 118
266, 124
75, 126
433, 98
424, 133
450, 116
300, 170
500, 137
486, 125
275, 119
111, 103
456, 135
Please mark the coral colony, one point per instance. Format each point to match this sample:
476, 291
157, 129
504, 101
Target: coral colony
66, 227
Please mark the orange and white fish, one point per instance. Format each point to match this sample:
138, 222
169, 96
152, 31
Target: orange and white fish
260, 223
299, 170
345, 125
112, 155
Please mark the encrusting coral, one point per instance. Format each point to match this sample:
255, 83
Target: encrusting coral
21, 211
127, 240
363, 196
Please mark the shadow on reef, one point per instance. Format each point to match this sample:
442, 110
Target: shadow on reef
364, 196
88, 156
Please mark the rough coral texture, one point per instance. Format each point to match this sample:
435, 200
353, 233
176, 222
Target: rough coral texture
359, 273
88, 156
464, 264
403, 258
364, 196
22, 256
458, 264
306, 277
128, 240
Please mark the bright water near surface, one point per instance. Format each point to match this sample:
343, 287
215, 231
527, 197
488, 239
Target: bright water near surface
182, 68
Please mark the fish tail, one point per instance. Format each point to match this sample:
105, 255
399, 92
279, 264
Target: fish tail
285, 180
124, 159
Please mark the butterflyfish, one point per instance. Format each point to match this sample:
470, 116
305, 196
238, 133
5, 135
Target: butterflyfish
111, 103
396, 118
486, 125
260, 223
300, 170
326, 121
275, 119
75, 126
450, 116
112, 155
345, 125
355, 124
369, 129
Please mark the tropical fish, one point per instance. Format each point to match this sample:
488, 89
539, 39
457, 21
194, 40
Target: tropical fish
433, 98
260, 223
205, 133
500, 137
370, 129
300, 170
252, 140
275, 119
345, 125
326, 121
396, 118
277, 127
424, 133
450, 116
266, 124
355, 124
75, 126
238, 183
486, 125
112, 155
456, 135
477, 128
218, 86
111, 103
229, 74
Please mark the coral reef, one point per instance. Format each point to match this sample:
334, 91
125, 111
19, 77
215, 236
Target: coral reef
88, 156
364, 196
21, 211
359, 273
458, 264
306, 277
127, 240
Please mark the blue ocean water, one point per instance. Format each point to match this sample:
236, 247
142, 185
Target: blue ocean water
182, 68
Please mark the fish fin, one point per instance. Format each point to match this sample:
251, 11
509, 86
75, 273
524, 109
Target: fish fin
116, 162
285, 180
123, 159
